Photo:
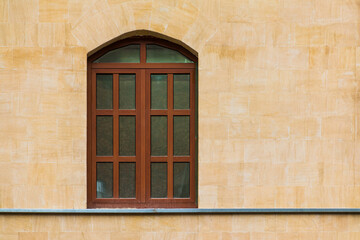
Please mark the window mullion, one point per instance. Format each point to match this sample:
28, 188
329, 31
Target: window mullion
170, 135
116, 135
137, 135
93, 132
143, 53
144, 141
192, 135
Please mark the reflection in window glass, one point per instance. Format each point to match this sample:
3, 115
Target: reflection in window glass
181, 180
158, 91
158, 54
127, 54
181, 135
104, 135
181, 91
127, 180
159, 135
104, 180
127, 92
104, 91
127, 135
158, 180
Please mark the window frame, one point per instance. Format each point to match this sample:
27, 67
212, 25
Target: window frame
143, 114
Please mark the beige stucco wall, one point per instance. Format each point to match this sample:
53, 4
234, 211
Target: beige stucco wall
203, 227
278, 97
278, 112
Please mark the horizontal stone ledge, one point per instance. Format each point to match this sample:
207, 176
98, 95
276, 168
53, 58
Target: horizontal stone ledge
184, 211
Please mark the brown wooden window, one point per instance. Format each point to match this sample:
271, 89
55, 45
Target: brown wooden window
141, 125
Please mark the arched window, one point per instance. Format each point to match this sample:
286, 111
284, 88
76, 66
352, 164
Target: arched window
141, 125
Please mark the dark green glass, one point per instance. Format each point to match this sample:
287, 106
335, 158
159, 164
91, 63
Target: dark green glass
127, 136
127, 94
104, 135
181, 91
181, 180
104, 91
158, 180
104, 180
127, 180
181, 135
159, 136
158, 91
127, 54
159, 54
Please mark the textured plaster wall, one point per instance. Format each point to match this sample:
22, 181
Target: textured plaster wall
175, 227
278, 114
278, 97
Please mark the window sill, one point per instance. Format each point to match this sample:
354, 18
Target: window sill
184, 211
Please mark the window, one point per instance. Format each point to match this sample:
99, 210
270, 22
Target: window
141, 125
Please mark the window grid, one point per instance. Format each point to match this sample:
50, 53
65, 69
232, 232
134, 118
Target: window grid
143, 114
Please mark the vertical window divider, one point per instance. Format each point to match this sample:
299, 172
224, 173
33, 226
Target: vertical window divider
93, 131
90, 138
143, 53
139, 134
145, 136
192, 135
116, 135
170, 135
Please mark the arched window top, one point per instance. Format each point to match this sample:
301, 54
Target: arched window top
126, 54
159, 54
143, 50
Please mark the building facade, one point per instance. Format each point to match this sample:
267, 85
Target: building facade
278, 116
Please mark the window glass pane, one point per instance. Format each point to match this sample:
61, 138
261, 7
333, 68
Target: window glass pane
104, 180
158, 135
104, 91
127, 180
181, 91
127, 54
181, 135
158, 180
181, 180
158, 54
127, 91
158, 91
127, 133
104, 135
